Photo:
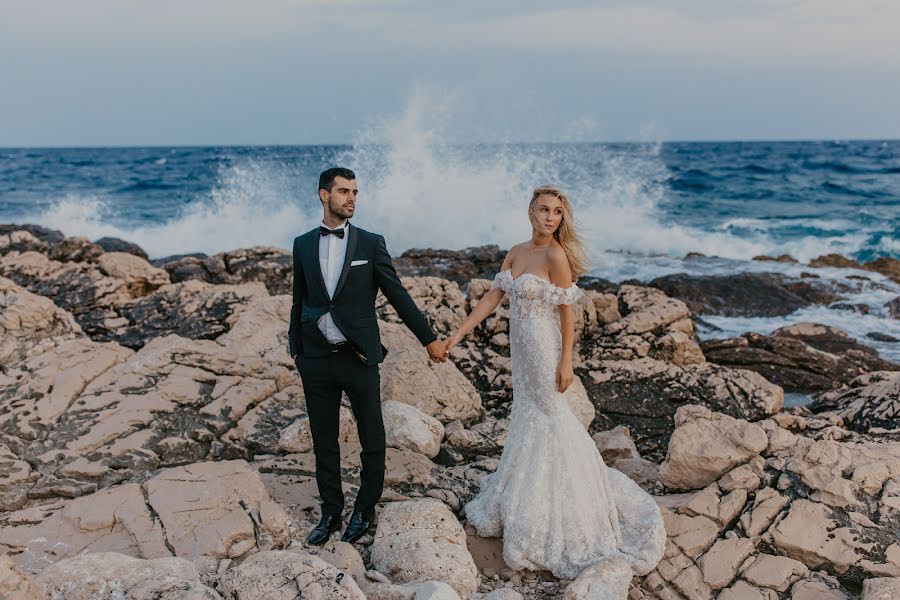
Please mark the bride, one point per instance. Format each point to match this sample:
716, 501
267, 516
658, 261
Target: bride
555, 503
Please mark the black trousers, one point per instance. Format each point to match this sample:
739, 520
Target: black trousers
324, 379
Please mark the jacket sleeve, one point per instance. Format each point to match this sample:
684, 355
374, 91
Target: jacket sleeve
393, 290
299, 291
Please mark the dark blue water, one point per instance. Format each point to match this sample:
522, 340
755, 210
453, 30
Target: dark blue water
806, 198
640, 207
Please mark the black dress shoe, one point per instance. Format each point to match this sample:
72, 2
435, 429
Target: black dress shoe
359, 524
328, 525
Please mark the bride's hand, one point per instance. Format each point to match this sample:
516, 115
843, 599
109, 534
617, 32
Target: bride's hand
452, 341
564, 376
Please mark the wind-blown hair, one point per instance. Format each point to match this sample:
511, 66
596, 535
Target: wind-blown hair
565, 234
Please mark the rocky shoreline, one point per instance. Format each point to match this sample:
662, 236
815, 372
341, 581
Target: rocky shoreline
154, 440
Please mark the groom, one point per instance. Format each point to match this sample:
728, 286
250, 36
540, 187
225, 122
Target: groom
334, 339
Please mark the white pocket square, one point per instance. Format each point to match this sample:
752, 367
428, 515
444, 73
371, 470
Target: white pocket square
356, 263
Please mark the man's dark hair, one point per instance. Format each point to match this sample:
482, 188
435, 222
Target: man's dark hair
326, 179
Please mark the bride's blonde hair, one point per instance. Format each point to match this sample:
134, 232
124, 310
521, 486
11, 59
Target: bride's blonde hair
566, 233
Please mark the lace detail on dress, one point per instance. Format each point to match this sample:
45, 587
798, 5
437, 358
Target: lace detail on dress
552, 499
533, 297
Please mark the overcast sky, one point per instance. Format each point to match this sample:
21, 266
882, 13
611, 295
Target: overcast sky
175, 72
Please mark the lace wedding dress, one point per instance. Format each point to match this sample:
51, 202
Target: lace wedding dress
555, 503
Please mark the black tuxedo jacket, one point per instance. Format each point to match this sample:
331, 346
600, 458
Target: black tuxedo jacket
353, 305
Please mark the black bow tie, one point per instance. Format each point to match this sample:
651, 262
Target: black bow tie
323, 231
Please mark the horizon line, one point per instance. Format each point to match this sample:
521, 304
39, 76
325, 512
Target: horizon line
478, 143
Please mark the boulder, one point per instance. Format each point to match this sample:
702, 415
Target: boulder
706, 445
437, 389
739, 295
288, 575
435, 590
800, 358
869, 401
407, 427
112, 575
421, 540
616, 444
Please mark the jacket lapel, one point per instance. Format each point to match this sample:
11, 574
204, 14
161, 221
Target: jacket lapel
311, 252
348, 258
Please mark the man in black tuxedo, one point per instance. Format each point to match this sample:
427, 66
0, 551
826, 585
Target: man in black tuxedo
334, 339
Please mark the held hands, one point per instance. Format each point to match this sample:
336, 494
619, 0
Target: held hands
564, 375
452, 341
437, 351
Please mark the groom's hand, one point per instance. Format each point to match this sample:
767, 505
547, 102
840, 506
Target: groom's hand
437, 351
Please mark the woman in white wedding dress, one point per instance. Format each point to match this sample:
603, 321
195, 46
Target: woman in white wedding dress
555, 503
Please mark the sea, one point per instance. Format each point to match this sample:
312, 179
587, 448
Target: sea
641, 207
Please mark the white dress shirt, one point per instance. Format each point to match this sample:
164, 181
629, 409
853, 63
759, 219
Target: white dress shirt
332, 251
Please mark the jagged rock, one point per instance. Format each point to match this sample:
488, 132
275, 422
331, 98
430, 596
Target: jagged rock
15, 584
408, 427
421, 540
605, 580
288, 575
720, 565
774, 572
193, 310
739, 295
640, 470
139, 275
834, 260
706, 445
742, 590
800, 358
112, 244
218, 509
115, 520
616, 444
112, 575
870, 400
119, 297
14, 239
459, 266
606, 306
437, 389
272, 267
75, 249
818, 587
30, 324
78, 287
881, 588
644, 395
886, 265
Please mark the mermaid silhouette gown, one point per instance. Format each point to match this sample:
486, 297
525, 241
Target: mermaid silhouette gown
552, 499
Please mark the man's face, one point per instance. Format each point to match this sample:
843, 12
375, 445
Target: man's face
341, 200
